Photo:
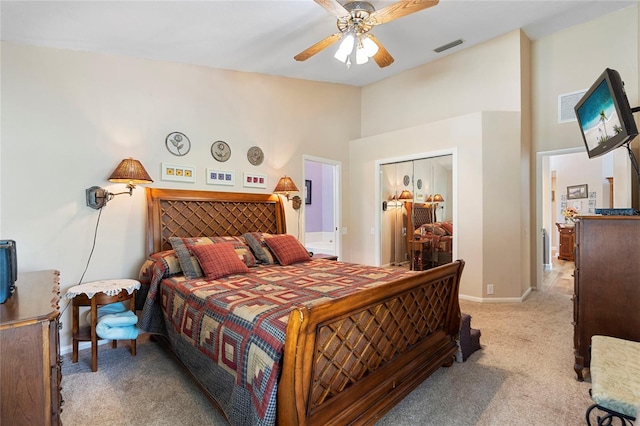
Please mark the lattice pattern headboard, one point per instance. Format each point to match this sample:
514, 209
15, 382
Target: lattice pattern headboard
185, 213
421, 215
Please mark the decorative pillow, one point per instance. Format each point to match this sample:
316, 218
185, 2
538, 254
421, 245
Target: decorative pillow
287, 249
256, 240
431, 228
190, 265
219, 260
448, 226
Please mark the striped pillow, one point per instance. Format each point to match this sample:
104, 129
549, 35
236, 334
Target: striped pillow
256, 240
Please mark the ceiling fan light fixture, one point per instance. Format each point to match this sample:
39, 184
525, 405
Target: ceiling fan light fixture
369, 46
361, 56
346, 47
357, 18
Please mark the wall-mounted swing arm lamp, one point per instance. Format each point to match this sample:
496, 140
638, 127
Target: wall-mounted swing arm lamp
285, 186
406, 196
129, 171
434, 201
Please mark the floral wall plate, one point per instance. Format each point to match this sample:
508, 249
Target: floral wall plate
178, 143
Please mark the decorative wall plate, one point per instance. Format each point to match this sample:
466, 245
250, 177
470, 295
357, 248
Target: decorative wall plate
220, 151
419, 183
406, 180
255, 155
178, 143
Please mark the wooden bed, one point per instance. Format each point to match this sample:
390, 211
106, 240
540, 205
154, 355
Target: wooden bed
347, 360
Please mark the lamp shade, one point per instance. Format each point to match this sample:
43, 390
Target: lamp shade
405, 195
130, 171
285, 186
438, 198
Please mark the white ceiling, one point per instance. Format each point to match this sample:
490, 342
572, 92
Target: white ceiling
263, 35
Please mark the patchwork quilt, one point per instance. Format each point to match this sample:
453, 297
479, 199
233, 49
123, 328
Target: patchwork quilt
237, 324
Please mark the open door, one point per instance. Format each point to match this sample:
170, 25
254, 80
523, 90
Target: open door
321, 197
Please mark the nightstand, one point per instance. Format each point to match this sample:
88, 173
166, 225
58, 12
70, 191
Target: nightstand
324, 256
93, 295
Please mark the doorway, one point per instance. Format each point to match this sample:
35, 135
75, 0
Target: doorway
322, 204
556, 172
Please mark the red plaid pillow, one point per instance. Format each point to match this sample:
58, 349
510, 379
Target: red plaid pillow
219, 260
188, 261
287, 249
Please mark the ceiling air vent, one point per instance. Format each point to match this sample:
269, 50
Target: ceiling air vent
448, 46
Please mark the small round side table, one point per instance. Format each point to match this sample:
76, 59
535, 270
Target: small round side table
94, 294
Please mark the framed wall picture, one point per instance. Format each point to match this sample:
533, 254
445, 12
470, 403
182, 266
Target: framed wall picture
307, 191
221, 177
178, 173
253, 180
577, 191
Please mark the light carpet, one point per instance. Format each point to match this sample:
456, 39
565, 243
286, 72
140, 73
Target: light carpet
523, 375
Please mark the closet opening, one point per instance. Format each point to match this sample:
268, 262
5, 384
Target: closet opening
416, 229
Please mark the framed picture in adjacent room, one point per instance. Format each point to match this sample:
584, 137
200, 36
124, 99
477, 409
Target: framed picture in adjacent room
307, 191
577, 191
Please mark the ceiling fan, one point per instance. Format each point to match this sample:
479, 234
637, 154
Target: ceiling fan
355, 20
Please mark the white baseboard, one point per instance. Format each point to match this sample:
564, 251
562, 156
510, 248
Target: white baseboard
496, 299
67, 349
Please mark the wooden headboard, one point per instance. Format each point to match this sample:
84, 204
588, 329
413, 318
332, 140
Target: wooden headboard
418, 215
187, 213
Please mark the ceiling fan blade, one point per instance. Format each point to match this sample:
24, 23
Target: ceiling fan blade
334, 7
321, 45
382, 57
400, 9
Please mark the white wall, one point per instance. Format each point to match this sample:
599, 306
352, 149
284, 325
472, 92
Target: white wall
68, 118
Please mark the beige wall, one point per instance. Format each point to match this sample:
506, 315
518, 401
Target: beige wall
502, 193
569, 61
486, 150
68, 118
483, 78
449, 94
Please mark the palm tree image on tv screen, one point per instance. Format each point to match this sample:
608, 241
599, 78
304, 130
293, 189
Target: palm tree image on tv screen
601, 118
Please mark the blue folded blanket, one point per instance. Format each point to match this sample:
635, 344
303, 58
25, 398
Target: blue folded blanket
116, 322
117, 333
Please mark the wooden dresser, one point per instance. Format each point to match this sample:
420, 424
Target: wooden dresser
30, 364
566, 241
606, 297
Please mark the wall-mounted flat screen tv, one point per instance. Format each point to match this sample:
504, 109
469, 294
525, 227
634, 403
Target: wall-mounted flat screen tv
605, 116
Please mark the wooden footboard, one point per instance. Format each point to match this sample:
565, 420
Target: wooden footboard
352, 359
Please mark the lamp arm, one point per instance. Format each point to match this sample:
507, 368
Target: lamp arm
111, 194
98, 197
